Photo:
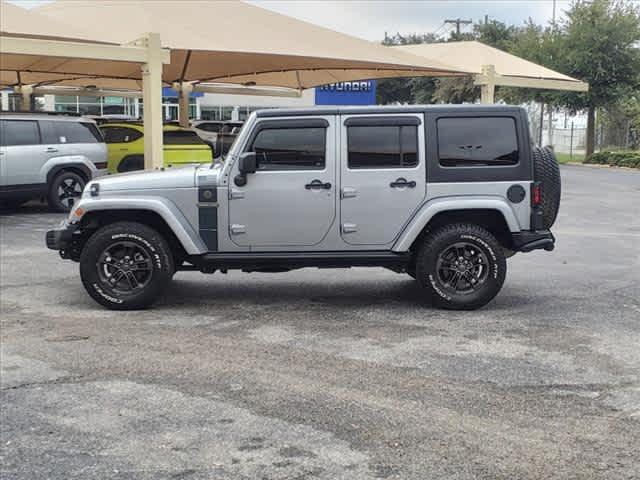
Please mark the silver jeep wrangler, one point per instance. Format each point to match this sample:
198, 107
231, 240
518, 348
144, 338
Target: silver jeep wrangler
442, 193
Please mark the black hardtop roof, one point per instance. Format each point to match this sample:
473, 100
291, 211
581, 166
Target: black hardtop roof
382, 109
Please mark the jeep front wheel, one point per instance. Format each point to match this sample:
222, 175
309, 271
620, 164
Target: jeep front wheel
462, 266
126, 266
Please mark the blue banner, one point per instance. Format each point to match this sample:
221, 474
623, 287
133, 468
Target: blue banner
170, 92
347, 93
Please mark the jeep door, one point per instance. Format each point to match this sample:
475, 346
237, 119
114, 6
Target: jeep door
23, 155
382, 173
291, 198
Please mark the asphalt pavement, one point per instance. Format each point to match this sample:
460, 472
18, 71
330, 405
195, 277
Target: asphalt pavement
332, 374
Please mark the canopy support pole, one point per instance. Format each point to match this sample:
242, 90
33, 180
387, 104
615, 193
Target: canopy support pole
489, 79
488, 86
152, 98
184, 90
27, 96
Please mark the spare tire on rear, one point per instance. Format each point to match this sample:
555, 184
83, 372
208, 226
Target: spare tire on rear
547, 172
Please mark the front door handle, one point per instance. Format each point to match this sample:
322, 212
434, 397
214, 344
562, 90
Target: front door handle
402, 183
318, 185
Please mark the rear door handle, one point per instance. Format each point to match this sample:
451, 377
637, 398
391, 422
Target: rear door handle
402, 183
318, 185
51, 150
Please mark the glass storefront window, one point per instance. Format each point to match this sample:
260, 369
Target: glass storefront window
86, 105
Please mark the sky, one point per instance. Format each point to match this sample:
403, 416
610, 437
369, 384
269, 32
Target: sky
370, 19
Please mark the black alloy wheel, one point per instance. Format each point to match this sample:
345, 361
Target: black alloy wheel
125, 267
65, 190
462, 268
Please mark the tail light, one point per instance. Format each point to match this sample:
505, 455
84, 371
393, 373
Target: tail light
536, 194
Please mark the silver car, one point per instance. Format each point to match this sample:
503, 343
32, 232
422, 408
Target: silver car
45, 155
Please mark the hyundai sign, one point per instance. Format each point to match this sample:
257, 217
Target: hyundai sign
347, 93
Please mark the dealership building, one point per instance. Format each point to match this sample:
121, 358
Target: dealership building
205, 106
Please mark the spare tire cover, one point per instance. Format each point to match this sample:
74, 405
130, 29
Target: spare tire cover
547, 172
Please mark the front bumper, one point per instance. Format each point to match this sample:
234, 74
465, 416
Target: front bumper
528, 241
62, 239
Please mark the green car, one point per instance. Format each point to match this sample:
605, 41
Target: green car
125, 144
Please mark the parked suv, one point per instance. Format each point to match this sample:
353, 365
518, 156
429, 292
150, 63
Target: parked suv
442, 193
125, 143
47, 155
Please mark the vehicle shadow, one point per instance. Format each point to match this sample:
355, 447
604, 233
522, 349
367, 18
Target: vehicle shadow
350, 293
29, 208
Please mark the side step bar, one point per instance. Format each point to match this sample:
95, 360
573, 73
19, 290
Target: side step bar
291, 260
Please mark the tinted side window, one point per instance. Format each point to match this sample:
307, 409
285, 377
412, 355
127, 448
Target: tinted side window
477, 141
120, 134
19, 132
181, 137
392, 146
70, 132
290, 148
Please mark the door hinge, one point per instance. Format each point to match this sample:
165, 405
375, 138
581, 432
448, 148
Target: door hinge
349, 192
349, 228
238, 229
233, 194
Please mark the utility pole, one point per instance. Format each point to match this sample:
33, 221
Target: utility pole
458, 22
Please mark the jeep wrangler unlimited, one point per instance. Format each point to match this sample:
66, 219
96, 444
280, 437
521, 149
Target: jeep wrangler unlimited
442, 193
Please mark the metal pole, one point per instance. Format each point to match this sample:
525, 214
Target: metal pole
152, 98
571, 143
541, 123
184, 93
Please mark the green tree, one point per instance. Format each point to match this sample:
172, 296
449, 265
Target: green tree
599, 42
405, 90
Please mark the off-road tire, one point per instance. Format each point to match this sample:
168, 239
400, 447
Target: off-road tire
444, 238
547, 171
141, 236
66, 176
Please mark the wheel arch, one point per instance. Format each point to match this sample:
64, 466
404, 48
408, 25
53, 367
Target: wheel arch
76, 167
491, 213
156, 212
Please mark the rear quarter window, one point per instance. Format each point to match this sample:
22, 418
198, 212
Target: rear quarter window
209, 127
182, 137
477, 141
120, 134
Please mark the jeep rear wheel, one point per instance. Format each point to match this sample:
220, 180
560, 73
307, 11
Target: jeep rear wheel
462, 266
126, 265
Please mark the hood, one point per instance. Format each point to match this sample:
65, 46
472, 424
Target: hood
169, 178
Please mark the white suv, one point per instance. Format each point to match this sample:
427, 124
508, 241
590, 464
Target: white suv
48, 155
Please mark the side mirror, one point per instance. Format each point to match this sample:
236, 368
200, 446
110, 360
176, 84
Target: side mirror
248, 163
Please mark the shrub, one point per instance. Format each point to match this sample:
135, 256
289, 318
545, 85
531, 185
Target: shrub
618, 159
